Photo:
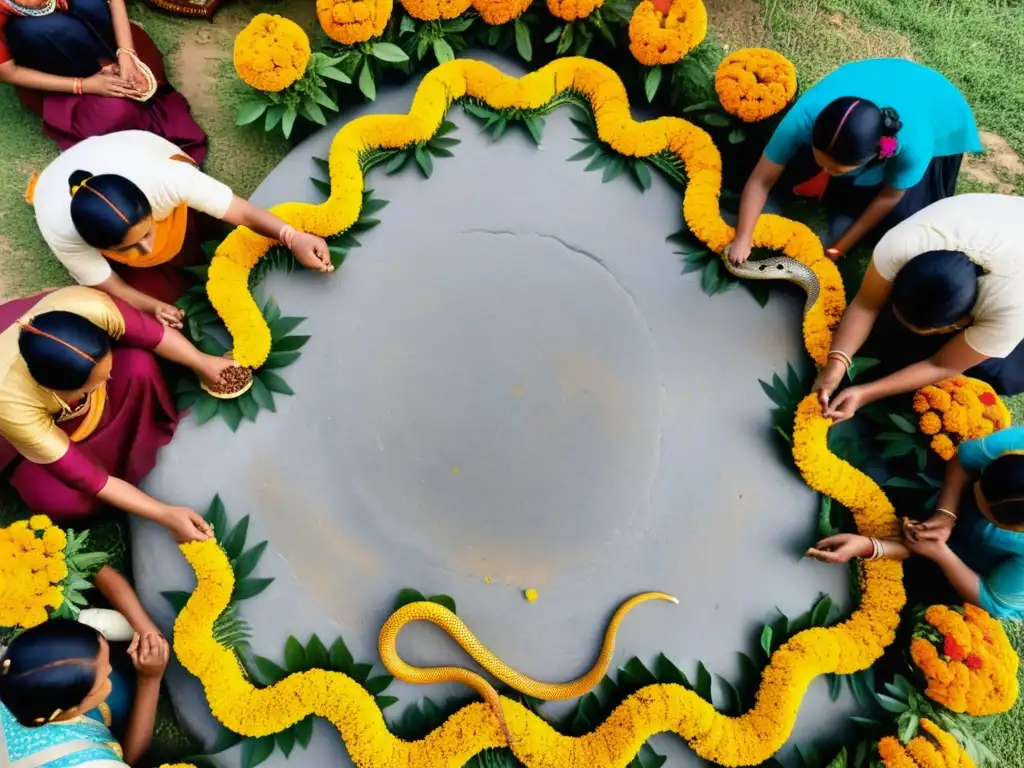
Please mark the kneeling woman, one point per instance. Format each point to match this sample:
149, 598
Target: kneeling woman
876, 140
62, 690
83, 401
975, 537
954, 274
86, 71
126, 212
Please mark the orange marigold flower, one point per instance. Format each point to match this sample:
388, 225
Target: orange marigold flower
572, 10
271, 53
432, 10
755, 83
353, 21
957, 409
657, 38
497, 12
931, 423
932, 749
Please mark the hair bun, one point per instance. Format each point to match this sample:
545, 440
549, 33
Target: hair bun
890, 121
77, 179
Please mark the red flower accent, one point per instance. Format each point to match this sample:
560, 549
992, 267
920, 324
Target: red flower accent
973, 662
987, 398
951, 648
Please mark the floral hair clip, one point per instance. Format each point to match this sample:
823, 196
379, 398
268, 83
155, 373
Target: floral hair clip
887, 146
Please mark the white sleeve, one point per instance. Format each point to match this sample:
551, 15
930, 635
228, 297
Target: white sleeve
996, 334
184, 183
893, 252
85, 264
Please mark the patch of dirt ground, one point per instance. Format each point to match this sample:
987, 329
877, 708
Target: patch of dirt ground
999, 168
737, 23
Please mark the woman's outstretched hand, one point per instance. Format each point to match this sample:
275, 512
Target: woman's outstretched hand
738, 251
169, 315
107, 84
844, 405
186, 525
212, 367
312, 252
129, 70
828, 380
150, 654
841, 548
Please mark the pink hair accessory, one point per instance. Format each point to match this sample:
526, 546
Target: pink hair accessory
287, 235
887, 146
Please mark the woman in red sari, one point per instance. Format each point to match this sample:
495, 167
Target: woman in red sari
87, 71
83, 402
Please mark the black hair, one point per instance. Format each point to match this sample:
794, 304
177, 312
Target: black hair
1002, 484
55, 364
850, 130
104, 208
936, 289
48, 667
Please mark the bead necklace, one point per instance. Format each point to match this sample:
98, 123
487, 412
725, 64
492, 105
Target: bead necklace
44, 10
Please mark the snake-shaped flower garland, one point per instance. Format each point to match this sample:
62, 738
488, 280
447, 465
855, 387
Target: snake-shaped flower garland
745, 740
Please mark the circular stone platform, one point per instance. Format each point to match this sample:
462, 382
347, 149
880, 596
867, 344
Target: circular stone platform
510, 386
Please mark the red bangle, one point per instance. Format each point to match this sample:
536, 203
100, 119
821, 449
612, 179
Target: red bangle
833, 253
76, 86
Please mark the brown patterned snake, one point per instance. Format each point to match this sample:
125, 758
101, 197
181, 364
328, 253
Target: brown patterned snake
459, 632
777, 268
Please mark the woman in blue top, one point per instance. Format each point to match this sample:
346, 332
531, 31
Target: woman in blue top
976, 535
875, 140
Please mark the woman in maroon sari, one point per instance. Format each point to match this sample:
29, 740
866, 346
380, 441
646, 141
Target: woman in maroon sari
83, 402
87, 71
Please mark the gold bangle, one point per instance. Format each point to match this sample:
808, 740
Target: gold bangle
842, 356
942, 511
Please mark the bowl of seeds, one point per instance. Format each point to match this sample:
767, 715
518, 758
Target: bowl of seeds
234, 382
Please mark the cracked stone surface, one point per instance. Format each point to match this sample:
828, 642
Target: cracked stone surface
510, 385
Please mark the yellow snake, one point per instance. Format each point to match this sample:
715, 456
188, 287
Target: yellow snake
461, 634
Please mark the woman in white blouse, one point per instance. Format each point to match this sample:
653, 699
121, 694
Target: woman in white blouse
125, 214
954, 275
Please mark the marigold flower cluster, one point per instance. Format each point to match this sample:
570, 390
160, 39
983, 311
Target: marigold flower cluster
932, 749
32, 567
755, 83
958, 409
432, 10
975, 670
271, 53
353, 21
657, 38
573, 10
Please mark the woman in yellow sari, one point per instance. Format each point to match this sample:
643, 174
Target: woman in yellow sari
125, 212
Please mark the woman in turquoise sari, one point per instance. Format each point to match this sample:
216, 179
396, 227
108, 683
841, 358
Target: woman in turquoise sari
974, 540
61, 693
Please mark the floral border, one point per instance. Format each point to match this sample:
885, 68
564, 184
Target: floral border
748, 739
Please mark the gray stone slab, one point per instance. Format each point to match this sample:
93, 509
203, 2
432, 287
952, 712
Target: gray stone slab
511, 385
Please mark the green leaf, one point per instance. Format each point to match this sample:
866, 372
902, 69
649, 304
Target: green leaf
316, 654
890, 704
600, 160
407, 596
372, 205
291, 114
535, 125
667, 672
903, 423
637, 673
910, 727
709, 281
235, 540
862, 365
248, 406
361, 672
735, 700
378, 684
335, 74
397, 162
262, 396
652, 82
269, 671
311, 110
289, 343
478, 110
386, 701
614, 169
340, 657
642, 174
424, 162
766, 640
247, 588
250, 112
274, 114
442, 50
366, 84
584, 153
835, 687
255, 751
205, 408
303, 731
432, 149
294, 655
388, 52
703, 685
715, 120
421, 46
839, 761
274, 383
444, 601
177, 599
230, 411
524, 45
279, 360
821, 610
217, 517
407, 25
225, 740
648, 758
286, 741
737, 136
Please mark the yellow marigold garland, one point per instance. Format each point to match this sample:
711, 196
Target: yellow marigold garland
227, 283
932, 749
432, 10
958, 409
353, 21
657, 38
271, 53
755, 83
975, 671
573, 10
32, 567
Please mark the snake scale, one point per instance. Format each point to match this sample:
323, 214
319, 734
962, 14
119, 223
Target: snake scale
460, 633
778, 268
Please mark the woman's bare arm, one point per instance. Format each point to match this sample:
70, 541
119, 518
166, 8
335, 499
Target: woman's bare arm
119, 593
752, 201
